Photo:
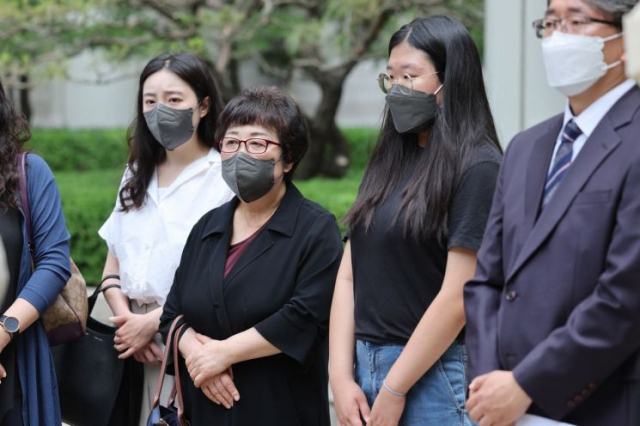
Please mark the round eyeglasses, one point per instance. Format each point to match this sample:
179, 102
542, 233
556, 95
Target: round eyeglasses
405, 82
253, 145
572, 24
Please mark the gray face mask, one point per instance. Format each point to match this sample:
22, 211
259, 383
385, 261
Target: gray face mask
248, 177
171, 127
413, 113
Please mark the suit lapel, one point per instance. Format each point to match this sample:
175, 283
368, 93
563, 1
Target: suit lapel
537, 172
601, 143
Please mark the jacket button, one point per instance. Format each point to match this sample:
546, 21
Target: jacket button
578, 399
591, 386
571, 405
585, 393
216, 305
511, 296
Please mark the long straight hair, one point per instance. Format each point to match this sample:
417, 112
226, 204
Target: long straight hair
145, 153
463, 122
14, 132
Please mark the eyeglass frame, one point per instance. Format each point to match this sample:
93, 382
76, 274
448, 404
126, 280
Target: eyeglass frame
382, 76
539, 28
246, 147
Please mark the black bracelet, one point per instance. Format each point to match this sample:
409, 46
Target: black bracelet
107, 287
107, 277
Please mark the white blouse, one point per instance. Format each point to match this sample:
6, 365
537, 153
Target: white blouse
148, 242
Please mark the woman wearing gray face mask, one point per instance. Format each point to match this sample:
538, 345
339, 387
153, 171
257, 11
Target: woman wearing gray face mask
415, 228
173, 178
256, 279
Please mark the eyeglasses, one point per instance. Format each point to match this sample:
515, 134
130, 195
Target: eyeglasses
406, 82
572, 24
253, 145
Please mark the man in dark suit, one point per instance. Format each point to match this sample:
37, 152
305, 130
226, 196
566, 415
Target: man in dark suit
554, 310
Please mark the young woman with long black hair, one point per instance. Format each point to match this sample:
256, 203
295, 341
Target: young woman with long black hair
173, 177
415, 228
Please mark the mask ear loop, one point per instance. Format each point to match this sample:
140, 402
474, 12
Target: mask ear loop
613, 37
438, 89
283, 173
193, 110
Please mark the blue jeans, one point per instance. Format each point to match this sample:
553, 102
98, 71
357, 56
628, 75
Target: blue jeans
436, 399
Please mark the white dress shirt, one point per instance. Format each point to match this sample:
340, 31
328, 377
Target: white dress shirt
148, 242
589, 119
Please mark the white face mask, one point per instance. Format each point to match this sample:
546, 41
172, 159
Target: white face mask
575, 62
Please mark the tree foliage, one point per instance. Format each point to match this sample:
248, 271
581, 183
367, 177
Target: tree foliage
323, 40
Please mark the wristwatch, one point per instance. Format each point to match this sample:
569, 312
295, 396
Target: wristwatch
10, 324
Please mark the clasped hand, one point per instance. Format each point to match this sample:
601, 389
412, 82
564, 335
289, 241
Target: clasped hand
207, 361
210, 370
496, 399
134, 337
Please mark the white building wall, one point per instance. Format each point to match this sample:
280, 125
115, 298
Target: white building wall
514, 72
77, 104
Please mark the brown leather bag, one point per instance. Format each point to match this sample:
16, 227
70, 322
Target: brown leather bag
169, 415
66, 319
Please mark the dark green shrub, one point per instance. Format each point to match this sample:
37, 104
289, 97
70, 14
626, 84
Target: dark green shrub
80, 149
361, 143
87, 200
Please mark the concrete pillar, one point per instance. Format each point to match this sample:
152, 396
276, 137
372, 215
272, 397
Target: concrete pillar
514, 72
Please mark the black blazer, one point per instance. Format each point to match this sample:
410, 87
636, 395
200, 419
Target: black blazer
556, 296
282, 285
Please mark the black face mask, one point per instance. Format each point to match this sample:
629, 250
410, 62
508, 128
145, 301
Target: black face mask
413, 113
248, 177
171, 127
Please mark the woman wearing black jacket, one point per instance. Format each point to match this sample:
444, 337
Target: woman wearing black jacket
256, 280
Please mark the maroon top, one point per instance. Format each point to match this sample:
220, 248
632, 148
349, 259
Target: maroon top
236, 250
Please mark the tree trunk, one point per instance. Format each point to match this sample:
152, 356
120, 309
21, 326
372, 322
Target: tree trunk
25, 104
224, 82
329, 151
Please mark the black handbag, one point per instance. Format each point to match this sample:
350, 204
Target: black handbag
168, 415
95, 387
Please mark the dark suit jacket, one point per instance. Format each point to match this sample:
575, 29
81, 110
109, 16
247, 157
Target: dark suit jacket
282, 285
556, 296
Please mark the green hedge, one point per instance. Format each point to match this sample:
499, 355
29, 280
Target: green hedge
85, 149
87, 200
104, 149
88, 166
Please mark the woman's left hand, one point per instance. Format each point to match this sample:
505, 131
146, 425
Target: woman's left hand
207, 361
135, 331
221, 389
387, 409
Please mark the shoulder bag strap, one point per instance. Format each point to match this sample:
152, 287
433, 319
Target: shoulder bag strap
165, 358
94, 297
178, 385
24, 200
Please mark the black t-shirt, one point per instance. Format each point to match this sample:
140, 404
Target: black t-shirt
396, 277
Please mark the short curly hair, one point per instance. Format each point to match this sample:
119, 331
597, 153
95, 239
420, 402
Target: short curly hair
269, 107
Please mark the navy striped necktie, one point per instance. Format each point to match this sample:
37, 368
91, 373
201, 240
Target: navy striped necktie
562, 161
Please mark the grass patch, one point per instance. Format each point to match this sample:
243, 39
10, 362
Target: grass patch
335, 195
